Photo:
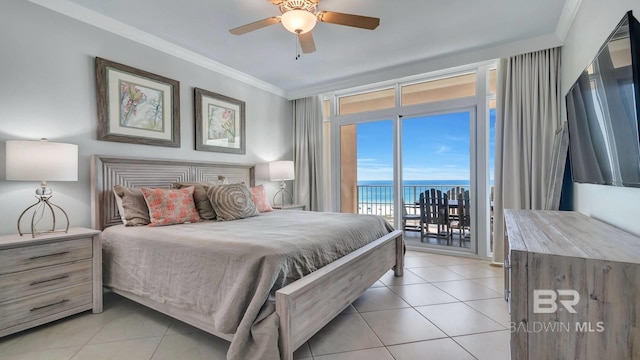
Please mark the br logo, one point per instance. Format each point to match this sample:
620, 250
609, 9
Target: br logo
546, 301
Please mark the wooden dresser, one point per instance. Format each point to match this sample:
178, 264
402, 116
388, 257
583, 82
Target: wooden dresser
573, 287
48, 277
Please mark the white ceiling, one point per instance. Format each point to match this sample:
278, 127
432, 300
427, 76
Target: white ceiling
410, 31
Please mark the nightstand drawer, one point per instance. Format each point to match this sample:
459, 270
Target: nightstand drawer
25, 283
31, 257
37, 306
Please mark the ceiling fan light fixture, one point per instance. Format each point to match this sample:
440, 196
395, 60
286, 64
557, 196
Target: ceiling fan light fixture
298, 21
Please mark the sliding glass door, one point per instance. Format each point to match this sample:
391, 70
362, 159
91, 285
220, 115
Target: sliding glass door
366, 168
436, 163
422, 153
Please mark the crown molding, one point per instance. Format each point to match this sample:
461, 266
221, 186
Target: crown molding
567, 16
429, 66
111, 25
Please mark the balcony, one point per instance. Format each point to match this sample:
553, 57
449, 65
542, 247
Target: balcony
379, 200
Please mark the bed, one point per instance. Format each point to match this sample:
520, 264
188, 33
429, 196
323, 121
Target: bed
292, 313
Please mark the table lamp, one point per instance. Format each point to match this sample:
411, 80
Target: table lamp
281, 171
41, 161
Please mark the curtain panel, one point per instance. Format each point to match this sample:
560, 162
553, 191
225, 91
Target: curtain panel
307, 155
527, 117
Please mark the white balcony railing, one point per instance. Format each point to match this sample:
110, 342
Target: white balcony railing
378, 199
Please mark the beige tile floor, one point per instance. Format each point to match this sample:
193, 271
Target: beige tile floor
444, 307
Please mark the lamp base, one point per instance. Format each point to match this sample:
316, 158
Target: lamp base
40, 207
282, 193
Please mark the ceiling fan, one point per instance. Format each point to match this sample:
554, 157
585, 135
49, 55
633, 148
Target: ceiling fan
300, 16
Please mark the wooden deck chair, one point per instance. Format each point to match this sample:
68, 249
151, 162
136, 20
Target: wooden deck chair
463, 222
453, 194
413, 216
434, 209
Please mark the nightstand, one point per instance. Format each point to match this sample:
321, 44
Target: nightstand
48, 277
300, 207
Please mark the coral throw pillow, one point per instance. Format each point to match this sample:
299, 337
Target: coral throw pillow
170, 206
260, 198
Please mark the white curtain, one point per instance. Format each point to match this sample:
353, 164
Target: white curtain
307, 155
527, 116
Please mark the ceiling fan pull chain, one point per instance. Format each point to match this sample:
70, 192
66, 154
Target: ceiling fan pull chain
297, 47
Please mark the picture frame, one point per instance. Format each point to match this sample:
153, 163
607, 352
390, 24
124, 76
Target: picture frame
136, 106
219, 123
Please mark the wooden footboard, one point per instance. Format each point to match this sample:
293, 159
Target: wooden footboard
307, 305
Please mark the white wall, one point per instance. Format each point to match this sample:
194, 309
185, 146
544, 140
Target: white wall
48, 90
593, 23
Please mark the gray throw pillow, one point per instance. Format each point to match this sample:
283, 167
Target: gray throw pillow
205, 210
131, 205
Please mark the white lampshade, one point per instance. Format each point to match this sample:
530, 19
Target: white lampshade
281, 170
41, 160
298, 21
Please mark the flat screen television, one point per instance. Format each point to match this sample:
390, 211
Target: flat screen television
603, 112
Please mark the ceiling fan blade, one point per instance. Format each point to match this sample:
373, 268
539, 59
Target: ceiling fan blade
255, 25
363, 22
306, 43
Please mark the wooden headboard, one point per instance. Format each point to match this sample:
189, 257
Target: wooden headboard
107, 171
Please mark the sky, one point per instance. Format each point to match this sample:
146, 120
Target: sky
435, 147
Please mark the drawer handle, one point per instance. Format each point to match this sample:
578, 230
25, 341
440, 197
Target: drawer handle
45, 281
46, 306
44, 256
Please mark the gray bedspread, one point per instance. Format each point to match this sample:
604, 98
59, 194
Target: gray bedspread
228, 271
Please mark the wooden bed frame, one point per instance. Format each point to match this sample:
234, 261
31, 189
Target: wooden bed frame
304, 306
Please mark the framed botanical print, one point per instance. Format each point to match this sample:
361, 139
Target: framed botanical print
220, 123
136, 106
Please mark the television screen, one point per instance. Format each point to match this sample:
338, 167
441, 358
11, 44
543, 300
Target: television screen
602, 112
